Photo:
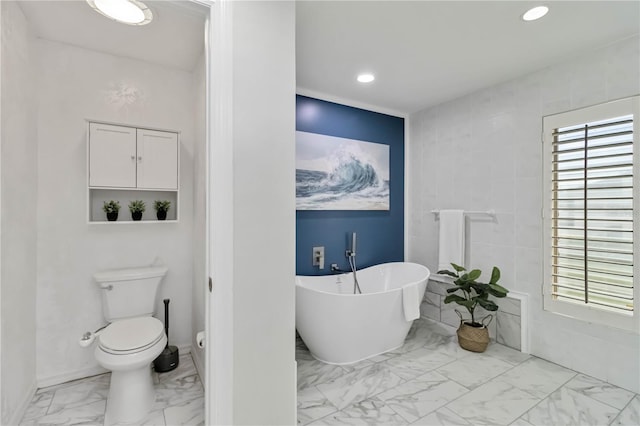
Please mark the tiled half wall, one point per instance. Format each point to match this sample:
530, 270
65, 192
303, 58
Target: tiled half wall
507, 326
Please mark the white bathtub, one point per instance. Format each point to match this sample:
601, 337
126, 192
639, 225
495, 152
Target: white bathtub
340, 327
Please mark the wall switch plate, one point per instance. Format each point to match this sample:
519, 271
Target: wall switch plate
318, 257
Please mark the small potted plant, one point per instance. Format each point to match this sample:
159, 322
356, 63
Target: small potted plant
162, 207
111, 208
137, 207
473, 335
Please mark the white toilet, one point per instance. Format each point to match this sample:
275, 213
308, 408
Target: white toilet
131, 341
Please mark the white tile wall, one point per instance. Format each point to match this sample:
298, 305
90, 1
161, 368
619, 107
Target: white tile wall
492, 139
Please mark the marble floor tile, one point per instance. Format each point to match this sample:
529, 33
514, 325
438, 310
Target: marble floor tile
567, 407
82, 393
449, 346
190, 413
442, 417
154, 418
39, 405
415, 363
521, 422
432, 381
313, 405
88, 414
357, 365
313, 372
537, 377
419, 397
368, 412
359, 385
472, 372
383, 357
435, 340
630, 415
600, 391
494, 403
503, 353
179, 393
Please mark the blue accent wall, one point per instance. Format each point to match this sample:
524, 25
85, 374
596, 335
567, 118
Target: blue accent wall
380, 234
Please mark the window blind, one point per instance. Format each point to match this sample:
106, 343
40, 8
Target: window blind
592, 214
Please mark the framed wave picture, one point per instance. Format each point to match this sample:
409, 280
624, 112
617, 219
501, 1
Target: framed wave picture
340, 174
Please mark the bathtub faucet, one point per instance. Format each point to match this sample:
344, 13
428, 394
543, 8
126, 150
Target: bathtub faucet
352, 252
351, 257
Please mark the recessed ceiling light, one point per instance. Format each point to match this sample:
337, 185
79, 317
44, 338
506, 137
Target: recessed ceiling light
132, 12
535, 13
366, 78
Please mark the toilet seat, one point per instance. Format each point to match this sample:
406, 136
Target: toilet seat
131, 335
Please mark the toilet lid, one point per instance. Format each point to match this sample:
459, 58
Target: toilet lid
131, 334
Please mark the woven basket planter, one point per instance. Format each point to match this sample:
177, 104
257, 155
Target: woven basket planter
474, 339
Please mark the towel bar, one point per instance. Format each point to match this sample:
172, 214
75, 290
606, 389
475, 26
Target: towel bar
473, 212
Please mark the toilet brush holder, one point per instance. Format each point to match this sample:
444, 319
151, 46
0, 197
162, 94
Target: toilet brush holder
170, 357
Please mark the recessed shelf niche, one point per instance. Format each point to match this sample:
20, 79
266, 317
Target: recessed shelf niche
99, 196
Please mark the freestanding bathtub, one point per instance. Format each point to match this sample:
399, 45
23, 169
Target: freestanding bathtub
340, 327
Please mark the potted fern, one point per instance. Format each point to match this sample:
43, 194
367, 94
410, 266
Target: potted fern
137, 207
161, 207
473, 335
111, 208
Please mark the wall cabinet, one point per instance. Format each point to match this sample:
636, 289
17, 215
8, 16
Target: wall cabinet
127, 157
127, 163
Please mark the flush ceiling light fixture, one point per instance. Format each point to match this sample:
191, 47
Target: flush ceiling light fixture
131, 12
366, 78
535, 13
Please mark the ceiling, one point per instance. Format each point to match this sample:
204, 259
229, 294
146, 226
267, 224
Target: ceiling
175, 37
422, 52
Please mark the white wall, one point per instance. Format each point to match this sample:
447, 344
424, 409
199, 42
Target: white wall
18, 224
75, 84
264, 389
199, 211
483, 151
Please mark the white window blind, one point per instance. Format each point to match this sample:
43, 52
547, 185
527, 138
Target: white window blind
591, 251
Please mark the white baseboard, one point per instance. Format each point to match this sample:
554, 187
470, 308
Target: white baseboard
52, 380
24, 404
56, 379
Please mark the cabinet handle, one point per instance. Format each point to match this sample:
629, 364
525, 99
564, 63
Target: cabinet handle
139, 158
133, 157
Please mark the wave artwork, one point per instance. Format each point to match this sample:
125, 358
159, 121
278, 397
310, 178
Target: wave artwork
340, 174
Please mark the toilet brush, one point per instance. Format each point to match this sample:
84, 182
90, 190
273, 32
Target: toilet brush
169, 358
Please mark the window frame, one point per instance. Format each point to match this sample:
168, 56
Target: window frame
594, 113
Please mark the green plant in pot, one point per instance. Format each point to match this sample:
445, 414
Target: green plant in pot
162, 207
111, 208
137, 207
473, 335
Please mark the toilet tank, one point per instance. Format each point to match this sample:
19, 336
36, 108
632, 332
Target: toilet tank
130, 292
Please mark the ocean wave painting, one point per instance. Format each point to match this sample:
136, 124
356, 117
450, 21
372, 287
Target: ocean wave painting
340, 174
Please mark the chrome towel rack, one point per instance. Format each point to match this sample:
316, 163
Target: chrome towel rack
490, 213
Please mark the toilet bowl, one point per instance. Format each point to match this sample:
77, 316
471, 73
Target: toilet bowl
127, 347
131, 341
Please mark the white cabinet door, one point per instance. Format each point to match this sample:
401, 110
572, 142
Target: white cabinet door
112, 156
157, 159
